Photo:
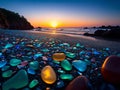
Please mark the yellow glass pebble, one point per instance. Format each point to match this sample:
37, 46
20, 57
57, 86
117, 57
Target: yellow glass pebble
48, 75
59, 56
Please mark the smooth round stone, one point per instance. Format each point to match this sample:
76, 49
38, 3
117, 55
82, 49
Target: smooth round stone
82, 53
74, 48
0, 54
30, 46
96, 52
37, 55
15, 62
61, 71
33, 83
48, 75
60, 84
7, 73
70, 55
45, 50
31, 71
19, 80
66, 76
9, 45
78, 45
57, 62
24, 63
66, 44
3, 63
5, 68
79, 83
34, 65
59, 56
80, 65
66, 65
111, 69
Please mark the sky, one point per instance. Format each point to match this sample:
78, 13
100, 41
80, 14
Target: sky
66, 13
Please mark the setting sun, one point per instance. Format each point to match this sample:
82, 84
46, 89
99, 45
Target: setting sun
54, 24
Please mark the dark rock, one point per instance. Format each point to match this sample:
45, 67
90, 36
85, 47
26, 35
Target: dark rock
79, 83
88, 34
99, 32
113, 33
11, 20
111, 69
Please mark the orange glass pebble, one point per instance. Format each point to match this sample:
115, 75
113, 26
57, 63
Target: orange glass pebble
48, 75
59, 56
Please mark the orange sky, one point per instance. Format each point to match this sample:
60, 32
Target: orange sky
67, 23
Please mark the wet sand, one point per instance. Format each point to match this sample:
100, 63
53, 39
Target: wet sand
72, 39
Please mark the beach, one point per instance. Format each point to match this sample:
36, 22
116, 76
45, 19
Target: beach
35, 48
92, 42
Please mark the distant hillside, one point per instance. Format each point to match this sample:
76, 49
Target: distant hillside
12, 20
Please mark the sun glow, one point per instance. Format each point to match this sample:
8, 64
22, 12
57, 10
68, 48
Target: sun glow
54, 24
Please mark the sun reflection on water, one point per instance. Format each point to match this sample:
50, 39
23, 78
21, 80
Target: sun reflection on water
53, 31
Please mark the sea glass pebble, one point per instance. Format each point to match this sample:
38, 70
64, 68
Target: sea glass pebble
66, 65
7, 73
59, 56
48, 75
19, 80
70, 55
33, 83
34, 65
80, 65
66, 76
15, 62
3, 63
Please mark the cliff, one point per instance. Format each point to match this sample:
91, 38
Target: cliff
12, 20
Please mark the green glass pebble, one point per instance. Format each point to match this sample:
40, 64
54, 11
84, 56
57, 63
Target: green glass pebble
70, 55
9, 45
74, 48
33, 83
87, 62
45, 50
61, 71
7, 73
29, 53
66, 76
15, 62
34, 65
5, 68
55, 61
17, 81
78, 45
66, 65
66, 44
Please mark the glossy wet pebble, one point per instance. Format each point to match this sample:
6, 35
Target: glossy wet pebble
33, 83
15, 62
111, 69
66, 65
48, 75
59, 56
3, 63
80, 65
19, 80
34, 65
79, 83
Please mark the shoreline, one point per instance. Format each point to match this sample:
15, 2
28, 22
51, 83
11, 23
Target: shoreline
91, 42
